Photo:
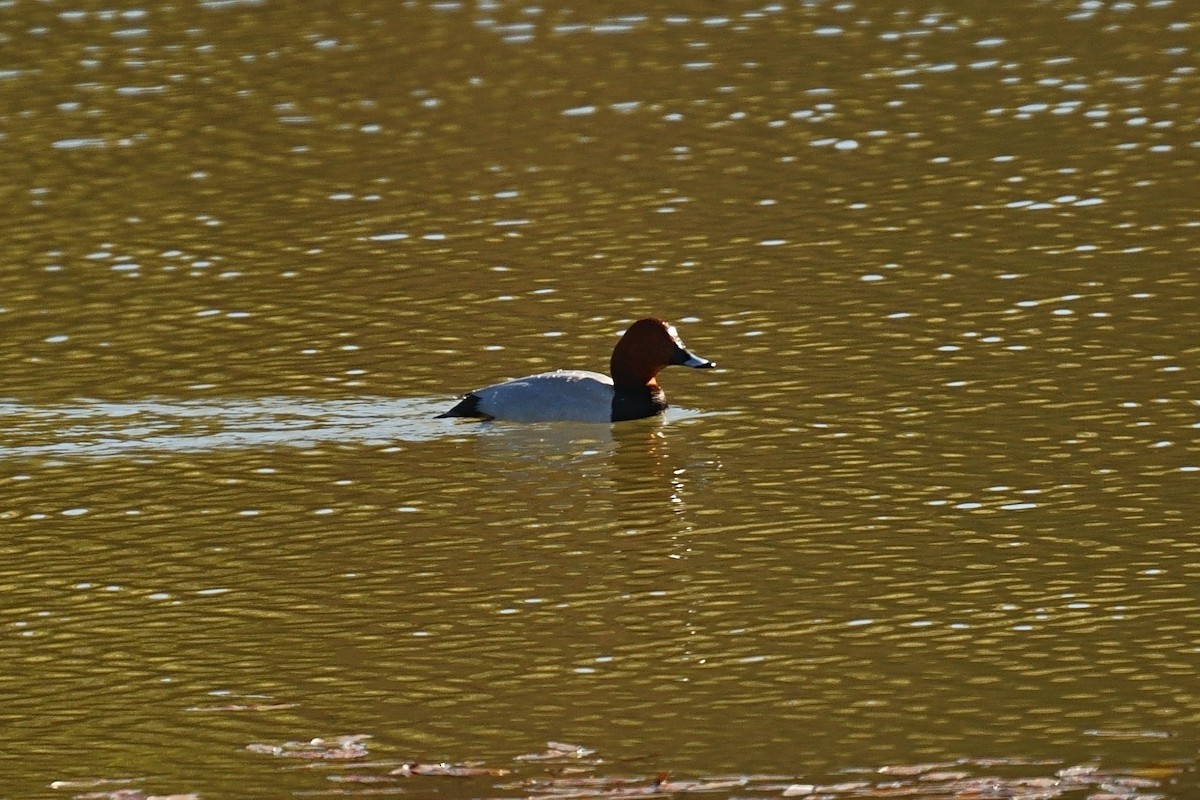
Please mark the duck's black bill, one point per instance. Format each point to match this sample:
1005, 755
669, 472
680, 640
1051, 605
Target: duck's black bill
685, 359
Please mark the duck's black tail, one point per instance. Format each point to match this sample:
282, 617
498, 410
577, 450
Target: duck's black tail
467, 407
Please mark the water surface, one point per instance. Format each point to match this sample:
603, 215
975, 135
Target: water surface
937, 505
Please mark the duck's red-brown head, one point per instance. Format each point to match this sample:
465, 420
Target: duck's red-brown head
646, 348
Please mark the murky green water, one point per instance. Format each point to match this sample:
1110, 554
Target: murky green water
937, 505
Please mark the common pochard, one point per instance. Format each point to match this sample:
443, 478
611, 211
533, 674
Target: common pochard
581, 396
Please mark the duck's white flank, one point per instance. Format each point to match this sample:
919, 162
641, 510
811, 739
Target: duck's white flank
563, 395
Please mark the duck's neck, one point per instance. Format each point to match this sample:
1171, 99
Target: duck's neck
638, 402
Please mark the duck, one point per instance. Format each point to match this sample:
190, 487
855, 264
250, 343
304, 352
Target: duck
569, 395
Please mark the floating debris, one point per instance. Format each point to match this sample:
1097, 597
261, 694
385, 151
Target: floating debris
557, 751
127, 793
449, 770
573, 772
343, 748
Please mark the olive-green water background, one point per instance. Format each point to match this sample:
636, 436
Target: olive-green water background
939, 500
